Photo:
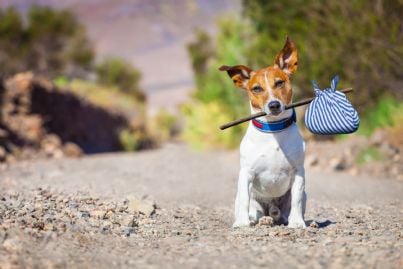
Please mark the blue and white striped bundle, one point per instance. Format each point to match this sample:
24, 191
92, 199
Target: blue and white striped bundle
330, 112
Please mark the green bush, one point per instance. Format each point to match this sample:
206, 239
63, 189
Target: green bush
202, 125
202, 51
164, 125
129, 139
51, 42
119, 73
387, 113
360, 40
216, 98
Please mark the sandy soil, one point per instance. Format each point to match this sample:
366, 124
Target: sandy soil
99, 211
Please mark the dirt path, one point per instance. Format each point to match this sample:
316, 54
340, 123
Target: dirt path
84, 215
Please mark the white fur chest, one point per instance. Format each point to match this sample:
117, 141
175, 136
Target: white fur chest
272, 159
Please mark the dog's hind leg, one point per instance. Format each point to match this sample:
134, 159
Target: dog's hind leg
275, 213
284, 204
256, 211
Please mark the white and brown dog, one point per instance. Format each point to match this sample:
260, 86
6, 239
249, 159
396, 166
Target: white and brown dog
271, 180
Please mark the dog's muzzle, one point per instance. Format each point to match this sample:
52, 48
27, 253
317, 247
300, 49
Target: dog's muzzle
274, 107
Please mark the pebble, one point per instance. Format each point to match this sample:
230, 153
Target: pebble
338, 163
83, 214
147, 207
126, 231
98, 214
312, 160
12, 245
314, 224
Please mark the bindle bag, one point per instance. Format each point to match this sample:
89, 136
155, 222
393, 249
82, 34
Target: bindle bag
330, 112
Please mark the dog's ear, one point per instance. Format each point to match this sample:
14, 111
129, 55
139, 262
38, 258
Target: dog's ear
287, 58
239, 74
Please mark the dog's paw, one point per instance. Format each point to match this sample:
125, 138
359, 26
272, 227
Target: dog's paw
296, 223
266, 221
241, 223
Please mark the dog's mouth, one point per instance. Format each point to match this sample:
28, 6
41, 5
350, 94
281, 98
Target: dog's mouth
275, 112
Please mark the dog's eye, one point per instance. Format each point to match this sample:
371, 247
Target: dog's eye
279, 83
257, 89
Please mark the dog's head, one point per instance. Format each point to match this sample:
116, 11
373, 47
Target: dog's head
269, 89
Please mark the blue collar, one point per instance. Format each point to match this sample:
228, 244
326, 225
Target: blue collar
276, 126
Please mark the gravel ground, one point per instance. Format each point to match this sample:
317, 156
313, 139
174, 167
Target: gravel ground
172, 208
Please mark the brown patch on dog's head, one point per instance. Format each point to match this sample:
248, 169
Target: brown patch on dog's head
270, 83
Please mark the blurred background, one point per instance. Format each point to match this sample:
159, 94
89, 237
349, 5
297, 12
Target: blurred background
83, 77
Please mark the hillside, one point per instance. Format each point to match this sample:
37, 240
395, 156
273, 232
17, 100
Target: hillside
150, 34
40, 119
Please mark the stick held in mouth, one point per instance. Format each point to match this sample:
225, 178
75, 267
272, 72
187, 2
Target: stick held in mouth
260, 114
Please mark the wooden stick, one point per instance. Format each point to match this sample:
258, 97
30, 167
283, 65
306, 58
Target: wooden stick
260, 114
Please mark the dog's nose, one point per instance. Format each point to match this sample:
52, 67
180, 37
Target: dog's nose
274, 105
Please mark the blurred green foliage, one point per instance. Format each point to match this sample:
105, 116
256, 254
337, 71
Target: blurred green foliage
201, 50
129, 139
387, 113
369, 154
360, 40
215, 99
118, 72
49, 42
164, 125
202, 124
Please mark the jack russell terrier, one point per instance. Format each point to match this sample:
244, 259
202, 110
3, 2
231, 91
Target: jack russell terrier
272, 177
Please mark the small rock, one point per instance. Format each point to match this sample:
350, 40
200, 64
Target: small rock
175, 232
126, 231
51, 144
314, 224
38, 225
12, 245
312, 160
338, 163
98, 214
83, 214
72, 150
146, 207
129, 221
48, 227
273, 233
46, 194
284, 233
62, 226
73, 205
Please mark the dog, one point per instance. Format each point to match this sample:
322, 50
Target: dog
272, 177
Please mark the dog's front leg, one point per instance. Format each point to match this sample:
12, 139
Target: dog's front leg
243, 198
298, 201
